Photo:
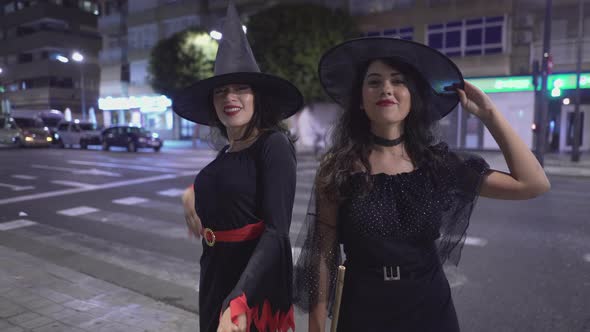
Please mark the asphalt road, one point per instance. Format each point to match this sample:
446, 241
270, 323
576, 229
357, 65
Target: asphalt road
117, 216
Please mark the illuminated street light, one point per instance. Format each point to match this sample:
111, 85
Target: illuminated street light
62, 58
77, 56
218, 35
215, 34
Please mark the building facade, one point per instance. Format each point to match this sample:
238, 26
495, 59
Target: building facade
495, 44
39, 72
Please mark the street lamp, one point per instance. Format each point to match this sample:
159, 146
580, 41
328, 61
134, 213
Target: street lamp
78, 57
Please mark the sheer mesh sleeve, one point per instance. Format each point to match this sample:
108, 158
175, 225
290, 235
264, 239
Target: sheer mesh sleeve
462, 175
316, 266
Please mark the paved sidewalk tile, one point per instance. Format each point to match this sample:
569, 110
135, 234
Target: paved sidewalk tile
36, 296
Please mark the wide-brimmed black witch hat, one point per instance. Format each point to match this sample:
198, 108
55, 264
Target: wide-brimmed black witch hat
339, 65
235, 63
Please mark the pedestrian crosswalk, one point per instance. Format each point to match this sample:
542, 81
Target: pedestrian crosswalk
132, 223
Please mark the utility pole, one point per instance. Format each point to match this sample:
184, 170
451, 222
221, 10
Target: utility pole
577, 117
543, 100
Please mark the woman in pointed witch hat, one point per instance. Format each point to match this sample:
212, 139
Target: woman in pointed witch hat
241, 203
399, 203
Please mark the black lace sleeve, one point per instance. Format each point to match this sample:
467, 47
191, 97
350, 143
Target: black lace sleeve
316, 265
462, 175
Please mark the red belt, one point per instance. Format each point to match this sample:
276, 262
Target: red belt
248, 232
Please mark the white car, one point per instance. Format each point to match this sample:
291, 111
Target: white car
72, 133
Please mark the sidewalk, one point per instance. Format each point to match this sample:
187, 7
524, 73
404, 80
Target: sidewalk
42, 297
555, 163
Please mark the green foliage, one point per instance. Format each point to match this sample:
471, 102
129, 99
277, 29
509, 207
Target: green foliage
288, 41
181, 60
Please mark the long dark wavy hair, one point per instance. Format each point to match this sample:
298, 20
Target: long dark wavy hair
263, 119
352, 142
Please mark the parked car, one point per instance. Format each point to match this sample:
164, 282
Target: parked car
9, 133
130, 137
72, 133
32, 132
50, 118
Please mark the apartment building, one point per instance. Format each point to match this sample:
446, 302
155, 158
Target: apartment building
38, 41
495, 43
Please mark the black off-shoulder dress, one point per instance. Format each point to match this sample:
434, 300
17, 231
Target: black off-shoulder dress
395, 239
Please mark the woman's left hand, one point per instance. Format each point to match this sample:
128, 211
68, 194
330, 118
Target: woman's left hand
476, 101
226, 324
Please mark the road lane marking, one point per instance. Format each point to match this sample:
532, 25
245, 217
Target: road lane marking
132, 200
476, 241
16, 224
24, 177
117, 165
73, 184
587, 258
116, 184
92, 171
78, 211
16, 188
171, 192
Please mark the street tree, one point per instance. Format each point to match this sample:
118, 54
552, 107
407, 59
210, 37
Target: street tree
180, 60
288, 40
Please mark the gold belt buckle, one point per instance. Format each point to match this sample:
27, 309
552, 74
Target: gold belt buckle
209, 237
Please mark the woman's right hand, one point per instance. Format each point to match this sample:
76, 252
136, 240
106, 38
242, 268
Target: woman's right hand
193, 222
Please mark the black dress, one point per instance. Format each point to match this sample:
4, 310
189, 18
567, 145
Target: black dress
395, 239
234, 190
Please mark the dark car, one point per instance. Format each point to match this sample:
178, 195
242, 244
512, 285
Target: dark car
32, 132
130, 137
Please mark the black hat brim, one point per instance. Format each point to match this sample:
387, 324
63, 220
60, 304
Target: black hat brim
194, 104
339, 65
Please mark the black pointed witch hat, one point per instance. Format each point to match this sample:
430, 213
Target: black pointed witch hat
338, 69
235, 63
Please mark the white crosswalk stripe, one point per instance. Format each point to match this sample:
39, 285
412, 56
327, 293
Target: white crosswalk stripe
130, 200
20, 223
173, 192
23, 177
73, 184
78, 211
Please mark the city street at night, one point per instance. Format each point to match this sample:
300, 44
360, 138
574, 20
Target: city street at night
96, 241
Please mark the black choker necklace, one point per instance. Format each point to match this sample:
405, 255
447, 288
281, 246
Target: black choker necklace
387, 142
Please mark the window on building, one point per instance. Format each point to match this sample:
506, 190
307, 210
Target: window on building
25, 57
406, 33
478, 36
142, 37
9, 8
179, 24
